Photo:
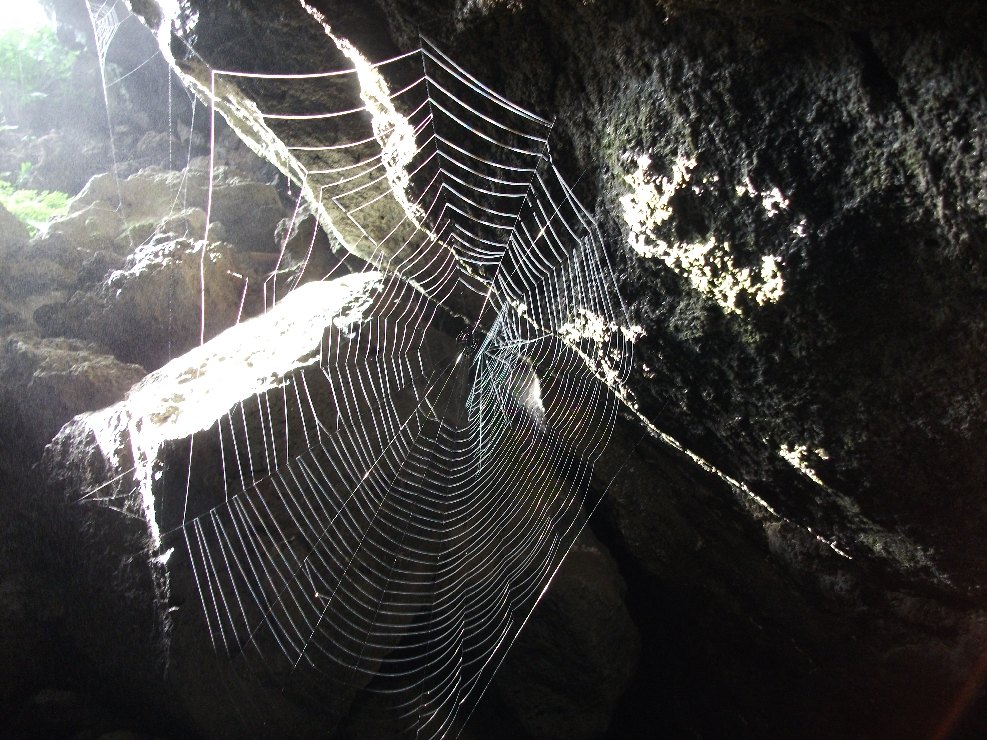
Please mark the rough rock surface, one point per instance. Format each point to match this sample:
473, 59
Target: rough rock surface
793, 191
149, 310
125, 268
45, 382
855, 157
26, 646
248, 210
144, 621
846, 144
571, 664
308, 253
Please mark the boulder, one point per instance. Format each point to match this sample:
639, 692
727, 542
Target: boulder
259, 449
65, 159
86, 230
80, 256
13, 233
27, 278
121, 477
45, 382
169, 202
129, 278
151, 309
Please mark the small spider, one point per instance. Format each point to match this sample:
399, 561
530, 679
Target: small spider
469, 342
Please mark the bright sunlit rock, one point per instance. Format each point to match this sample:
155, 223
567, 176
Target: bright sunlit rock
191, 392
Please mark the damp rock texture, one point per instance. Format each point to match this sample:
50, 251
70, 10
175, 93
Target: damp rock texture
793, 196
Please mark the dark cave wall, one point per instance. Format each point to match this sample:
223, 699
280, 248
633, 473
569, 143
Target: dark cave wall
872, 123
870, 120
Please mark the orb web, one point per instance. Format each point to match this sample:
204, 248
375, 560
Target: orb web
391, 513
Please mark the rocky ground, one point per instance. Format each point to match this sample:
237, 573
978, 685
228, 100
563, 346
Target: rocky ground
793, 193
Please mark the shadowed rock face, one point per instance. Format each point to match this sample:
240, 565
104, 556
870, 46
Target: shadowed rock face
847, 145
851, 156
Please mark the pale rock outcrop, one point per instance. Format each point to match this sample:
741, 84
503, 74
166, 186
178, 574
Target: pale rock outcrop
150, 310
115, 496
45, 382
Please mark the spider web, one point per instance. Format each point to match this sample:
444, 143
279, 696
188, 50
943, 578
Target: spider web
390, 515
105, 18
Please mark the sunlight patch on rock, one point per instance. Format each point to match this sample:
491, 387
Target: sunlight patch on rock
587, 325
797, 457
393, 131
191, 392
709, 265
772, 200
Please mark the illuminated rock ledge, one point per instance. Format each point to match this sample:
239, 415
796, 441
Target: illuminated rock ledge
124, 473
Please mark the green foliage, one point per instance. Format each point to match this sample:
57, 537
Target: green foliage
34, 207
34, 66
25, 173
